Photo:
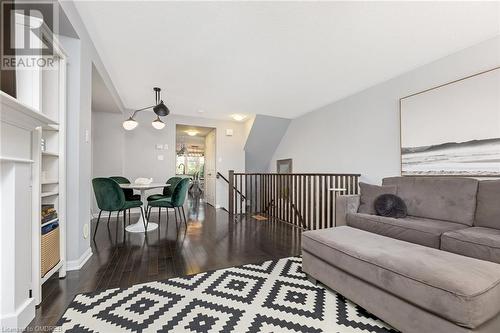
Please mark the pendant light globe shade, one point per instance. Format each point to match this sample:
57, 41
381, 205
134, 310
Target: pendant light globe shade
161, 109
130, 124
158, 124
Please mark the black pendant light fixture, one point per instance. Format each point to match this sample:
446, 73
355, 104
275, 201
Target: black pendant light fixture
159, 108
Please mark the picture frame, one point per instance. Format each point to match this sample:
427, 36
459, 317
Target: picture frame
452, 129
284, 166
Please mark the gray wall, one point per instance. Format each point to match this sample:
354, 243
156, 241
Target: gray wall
140, 153
107, 147
361, 133
263, 139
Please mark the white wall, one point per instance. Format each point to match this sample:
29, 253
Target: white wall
140, 153
361, 133
107, 147
82, 55
78, 150
107, 144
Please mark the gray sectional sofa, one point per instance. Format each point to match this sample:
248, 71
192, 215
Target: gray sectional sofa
460, 215
436, 270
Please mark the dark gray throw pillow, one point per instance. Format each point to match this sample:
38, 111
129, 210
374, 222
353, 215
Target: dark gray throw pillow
390, 205
371, 192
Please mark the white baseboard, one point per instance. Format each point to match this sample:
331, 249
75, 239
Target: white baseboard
19, 320
74, 265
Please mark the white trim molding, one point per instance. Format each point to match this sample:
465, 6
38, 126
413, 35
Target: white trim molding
75, 265
20, 318
21, 115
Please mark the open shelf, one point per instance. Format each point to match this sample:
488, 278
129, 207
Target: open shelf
50, 153
45, 92
15, 159
49, 194
54, 128
50, 181
49, 274
49, 222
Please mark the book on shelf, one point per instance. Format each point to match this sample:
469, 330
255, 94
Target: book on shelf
48, 213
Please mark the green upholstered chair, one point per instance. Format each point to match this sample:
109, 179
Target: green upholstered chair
110, 198
167, 190
176, 201
129, 193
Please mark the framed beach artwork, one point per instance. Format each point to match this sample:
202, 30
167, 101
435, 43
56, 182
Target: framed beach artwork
453, 129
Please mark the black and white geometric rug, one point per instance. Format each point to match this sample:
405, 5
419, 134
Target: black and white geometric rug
272, 297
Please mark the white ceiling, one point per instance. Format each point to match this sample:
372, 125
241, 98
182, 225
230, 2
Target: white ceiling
275, 58
181, 130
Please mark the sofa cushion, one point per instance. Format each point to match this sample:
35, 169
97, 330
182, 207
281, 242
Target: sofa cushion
368, 195
463, 290
412, 229
488, 204
440, 198
478, 242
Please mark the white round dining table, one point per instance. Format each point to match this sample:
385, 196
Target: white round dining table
139, 226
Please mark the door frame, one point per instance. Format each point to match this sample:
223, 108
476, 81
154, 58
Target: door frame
213, 128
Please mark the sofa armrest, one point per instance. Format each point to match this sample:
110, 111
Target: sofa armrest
345, 204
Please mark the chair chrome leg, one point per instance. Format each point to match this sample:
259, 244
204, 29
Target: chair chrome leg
129, 216
97, 224
159, 218
184, 214
117, 220
144, 220
167, 221
125, 218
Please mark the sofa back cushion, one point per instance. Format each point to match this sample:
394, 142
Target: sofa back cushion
368, 195
441, 198
488, 204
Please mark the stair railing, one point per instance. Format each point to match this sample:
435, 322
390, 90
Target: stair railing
304, 200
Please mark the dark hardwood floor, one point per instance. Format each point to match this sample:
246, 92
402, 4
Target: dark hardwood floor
209, 242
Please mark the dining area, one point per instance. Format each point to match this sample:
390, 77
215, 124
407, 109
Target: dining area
117, 195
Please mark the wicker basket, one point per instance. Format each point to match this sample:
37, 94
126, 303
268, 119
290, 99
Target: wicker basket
50, 251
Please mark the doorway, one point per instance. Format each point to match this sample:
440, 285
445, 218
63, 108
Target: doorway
195, 158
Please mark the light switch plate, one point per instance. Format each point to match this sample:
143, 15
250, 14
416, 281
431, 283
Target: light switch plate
165, 146
86, 230
229, 132
160, 157
159, 146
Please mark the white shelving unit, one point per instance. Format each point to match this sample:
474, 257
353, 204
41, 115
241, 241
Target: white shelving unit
45, 91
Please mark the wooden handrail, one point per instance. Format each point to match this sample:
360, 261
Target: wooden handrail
220, 175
